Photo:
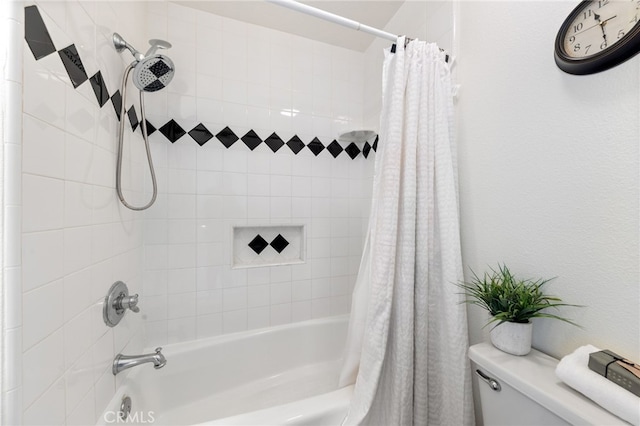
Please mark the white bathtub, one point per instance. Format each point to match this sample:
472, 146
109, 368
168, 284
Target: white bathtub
285, 375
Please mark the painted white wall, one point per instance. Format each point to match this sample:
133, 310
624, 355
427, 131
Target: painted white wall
549, 173
76, 238
230, 73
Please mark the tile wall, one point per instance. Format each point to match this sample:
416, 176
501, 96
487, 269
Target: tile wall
285, 98
11, 33
255, 81
76, 239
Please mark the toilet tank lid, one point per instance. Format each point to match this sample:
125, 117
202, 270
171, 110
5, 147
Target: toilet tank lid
534, 376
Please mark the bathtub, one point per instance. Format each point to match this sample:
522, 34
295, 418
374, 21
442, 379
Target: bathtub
284, 375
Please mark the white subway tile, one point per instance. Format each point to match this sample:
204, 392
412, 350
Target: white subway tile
79, 382
49, 409
155, 332
234, 299
43, 203
321, 307
182, 305
42, 365
182, 329
43, 148
258, 295
85, 412
38, 80
78, 204
209, 302
258, 317
234, 321
209, 325
41, 312
181, 256
77, 337
281, 314
42, 258
301, 311
80, 247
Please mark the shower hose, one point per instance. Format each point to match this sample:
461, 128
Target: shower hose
143, 124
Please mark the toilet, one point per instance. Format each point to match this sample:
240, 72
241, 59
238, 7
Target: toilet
524, 390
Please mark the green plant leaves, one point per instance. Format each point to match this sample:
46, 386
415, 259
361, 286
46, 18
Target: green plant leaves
508, 298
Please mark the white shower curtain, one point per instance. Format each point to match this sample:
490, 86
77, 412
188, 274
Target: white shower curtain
407, 339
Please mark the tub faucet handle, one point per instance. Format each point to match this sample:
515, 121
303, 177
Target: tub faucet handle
117, 302
128, 302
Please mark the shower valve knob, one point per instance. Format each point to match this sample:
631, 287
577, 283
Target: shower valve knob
127, 302
117, 302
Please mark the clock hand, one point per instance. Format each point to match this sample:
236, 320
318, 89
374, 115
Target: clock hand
604, 34
593, 26
586, 29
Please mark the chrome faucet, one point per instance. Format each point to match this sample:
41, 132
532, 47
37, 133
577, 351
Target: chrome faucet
122, 362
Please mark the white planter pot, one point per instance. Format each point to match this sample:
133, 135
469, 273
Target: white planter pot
512, 337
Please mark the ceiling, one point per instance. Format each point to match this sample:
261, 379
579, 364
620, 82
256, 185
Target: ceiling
373, 13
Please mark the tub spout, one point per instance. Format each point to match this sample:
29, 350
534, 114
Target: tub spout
122, 362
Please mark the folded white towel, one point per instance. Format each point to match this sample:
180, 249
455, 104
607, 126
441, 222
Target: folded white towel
574, 370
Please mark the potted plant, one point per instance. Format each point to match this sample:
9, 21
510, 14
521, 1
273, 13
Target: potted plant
511, 302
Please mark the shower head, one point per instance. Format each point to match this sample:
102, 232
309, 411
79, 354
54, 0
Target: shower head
151, 71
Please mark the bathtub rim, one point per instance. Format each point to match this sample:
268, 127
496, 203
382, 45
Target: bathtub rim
189, 345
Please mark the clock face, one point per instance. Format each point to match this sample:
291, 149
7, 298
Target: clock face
598, 25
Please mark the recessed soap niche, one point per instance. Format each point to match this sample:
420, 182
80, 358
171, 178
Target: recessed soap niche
268, 245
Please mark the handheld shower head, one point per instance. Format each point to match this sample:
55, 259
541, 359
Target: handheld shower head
151, 71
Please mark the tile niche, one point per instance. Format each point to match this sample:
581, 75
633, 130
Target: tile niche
268, 245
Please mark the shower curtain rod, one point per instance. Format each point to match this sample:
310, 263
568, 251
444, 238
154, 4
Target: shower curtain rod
332, 17
341, 20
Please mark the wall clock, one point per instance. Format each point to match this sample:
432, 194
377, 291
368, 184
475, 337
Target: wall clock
598, 35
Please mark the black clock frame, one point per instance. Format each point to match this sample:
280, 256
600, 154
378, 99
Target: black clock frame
626, 48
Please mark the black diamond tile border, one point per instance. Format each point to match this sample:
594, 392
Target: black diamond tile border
295, 144
251, 140
352, 150
335, 149
36, 33
133, 118
258, 244
150, 128
39, 41
73, 65
366, 149
116, 100
200, 134
172, 131
279, 243
227, 137
316, 146
274, 142
99, 88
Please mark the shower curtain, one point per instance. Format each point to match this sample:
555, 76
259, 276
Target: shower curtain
408, 339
